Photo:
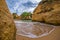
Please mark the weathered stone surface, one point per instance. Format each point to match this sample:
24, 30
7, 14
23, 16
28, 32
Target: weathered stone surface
7, 26
47, 11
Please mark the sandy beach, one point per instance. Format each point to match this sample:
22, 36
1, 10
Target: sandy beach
55, 35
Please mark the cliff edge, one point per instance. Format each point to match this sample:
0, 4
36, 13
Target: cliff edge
47, 11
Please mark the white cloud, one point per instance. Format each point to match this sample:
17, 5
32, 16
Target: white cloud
38, 0
35, 1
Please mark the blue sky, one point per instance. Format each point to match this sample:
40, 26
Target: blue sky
19, 6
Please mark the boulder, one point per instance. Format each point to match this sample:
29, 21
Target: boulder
47, 11
7, 26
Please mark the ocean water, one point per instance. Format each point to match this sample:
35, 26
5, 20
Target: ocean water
33, 29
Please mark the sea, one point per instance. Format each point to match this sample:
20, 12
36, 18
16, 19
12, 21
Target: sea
31, 29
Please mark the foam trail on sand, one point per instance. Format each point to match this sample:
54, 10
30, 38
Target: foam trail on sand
27, 29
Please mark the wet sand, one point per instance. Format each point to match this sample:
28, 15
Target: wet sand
55, 35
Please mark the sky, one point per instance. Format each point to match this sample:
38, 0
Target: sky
20, 6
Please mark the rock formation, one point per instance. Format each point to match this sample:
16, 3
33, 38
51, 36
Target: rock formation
47, 11
7, 26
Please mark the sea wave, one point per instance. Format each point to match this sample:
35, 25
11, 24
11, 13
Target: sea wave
33, 29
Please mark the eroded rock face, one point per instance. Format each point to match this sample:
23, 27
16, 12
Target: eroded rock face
47, 11
7, 26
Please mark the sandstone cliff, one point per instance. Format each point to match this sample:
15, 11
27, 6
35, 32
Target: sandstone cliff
7, 26
47, 11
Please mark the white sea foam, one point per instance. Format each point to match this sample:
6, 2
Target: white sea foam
26, 29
